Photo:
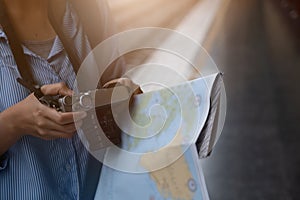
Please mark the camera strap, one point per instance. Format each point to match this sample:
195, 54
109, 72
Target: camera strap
17, 49
15, 45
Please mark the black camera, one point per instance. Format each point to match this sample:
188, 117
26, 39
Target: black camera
98, 105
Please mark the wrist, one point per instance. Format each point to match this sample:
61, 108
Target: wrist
10, 124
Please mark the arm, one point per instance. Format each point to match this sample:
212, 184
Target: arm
31, 117
98, 24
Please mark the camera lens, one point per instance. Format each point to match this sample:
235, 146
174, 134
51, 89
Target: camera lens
67, 100
86, 101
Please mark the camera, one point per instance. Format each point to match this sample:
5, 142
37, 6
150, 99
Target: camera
97, 103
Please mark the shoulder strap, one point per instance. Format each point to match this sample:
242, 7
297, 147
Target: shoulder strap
15, 45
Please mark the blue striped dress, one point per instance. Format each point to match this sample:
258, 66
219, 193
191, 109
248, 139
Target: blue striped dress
34, 168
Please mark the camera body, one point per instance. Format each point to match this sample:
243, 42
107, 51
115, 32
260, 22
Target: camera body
98, 105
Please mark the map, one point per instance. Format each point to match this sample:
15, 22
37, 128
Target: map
158, 158
182, 180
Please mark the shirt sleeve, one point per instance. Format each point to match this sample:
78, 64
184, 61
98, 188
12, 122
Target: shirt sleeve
86, 30
99, 25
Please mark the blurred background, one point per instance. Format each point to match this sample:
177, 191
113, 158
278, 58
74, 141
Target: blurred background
256, 43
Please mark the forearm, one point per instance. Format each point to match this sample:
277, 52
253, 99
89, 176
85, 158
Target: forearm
8, 133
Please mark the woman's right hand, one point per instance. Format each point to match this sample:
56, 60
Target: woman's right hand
41, 121
30, 117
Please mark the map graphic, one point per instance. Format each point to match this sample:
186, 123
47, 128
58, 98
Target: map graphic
158, 158
179, 181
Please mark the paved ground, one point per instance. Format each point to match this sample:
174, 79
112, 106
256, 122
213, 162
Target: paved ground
258, 155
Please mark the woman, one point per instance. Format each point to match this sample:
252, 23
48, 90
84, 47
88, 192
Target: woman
41, 156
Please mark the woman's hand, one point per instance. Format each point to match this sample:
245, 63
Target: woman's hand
30, 117
44, 122
125, 82
132, 86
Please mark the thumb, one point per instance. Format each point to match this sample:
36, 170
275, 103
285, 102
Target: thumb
56, 89
125, 82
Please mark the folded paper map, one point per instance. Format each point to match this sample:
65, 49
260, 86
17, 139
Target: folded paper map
159, 157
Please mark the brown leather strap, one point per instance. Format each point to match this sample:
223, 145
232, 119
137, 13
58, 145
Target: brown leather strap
15, 45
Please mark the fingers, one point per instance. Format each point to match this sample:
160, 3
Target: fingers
50, 124
134, 88
64, 118
125, 82
46, 124
53, 134
49, 130
66, 132
56, 89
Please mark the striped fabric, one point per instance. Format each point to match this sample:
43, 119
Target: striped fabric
34, 168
